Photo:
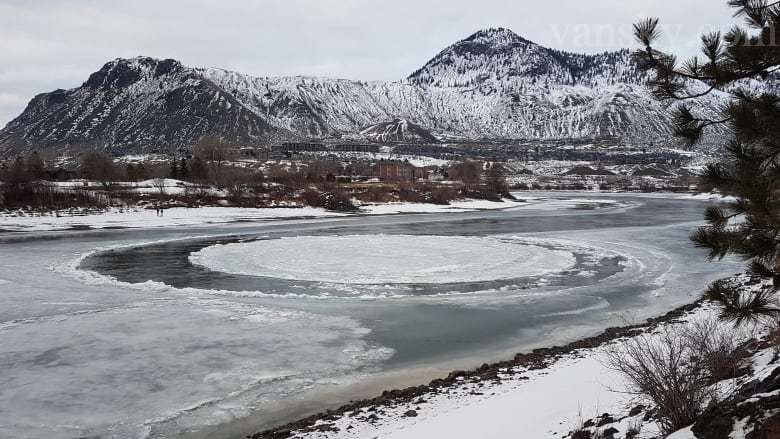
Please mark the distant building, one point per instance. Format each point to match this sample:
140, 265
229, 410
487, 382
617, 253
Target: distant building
290, 149
356, 147
395, 170
261, 153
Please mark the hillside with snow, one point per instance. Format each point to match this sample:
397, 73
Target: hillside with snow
491, 85
398, 130
140, 104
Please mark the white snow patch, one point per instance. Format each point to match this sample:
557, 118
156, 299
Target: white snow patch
148, 218
455, 206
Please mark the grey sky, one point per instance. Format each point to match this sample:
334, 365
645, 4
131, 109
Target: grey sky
49, 44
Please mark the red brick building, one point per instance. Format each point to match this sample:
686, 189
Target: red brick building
396, 170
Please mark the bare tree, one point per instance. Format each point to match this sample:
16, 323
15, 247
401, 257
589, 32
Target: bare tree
198, 170
469, 172
35, 166
99, 167
664, 369
159, 184
717, 346
212, 151
234, 182
17, 174
495, 181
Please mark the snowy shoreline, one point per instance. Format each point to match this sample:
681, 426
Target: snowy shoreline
389, 412
137, 217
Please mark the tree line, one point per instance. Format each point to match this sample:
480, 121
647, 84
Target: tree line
213, 165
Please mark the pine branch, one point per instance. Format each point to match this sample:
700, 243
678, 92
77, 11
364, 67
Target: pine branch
718, 217
742, 307
719, 241
758, 268
755, 11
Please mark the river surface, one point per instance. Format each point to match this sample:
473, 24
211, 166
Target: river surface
221, 330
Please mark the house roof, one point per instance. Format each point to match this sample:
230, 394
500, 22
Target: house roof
587, 170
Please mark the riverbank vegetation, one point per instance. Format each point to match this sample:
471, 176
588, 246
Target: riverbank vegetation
213, 177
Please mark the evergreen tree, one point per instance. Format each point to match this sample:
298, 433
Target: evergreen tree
749, 171
174, 172
184, 172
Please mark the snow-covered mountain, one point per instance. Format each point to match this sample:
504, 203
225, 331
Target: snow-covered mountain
494, 84
140, 103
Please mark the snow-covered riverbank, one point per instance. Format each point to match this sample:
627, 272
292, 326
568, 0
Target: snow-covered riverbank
182, 216
548, 393
137, 217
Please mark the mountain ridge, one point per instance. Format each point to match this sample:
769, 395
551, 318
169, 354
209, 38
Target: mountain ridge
494, 42
493, 84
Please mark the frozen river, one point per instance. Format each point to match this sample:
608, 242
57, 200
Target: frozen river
178, 332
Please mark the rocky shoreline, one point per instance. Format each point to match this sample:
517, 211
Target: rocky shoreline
537, 359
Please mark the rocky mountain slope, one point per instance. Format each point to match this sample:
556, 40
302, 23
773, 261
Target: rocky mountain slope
142, 103
494, 84
398, 130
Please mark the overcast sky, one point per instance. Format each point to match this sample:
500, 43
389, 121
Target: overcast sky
49, 44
